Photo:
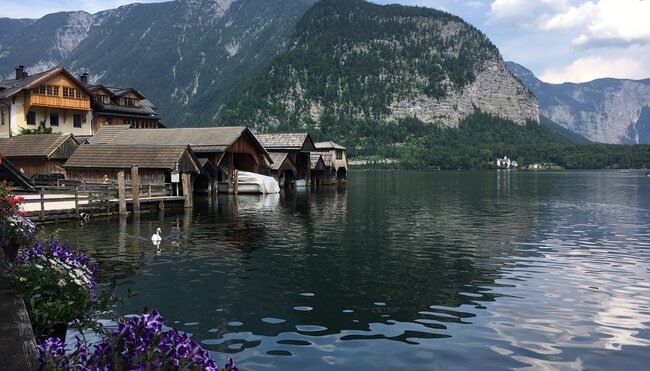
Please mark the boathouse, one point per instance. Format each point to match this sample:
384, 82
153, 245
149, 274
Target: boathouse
335, 158
227, 148
317, 168
296, 146
156, 164
41, 153
12, 175
283, 168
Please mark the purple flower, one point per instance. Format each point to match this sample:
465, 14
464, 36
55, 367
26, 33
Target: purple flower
139, 344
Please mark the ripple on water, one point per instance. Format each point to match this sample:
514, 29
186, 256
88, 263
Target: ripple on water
273, 321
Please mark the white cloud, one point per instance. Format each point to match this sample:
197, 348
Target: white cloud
575, 16
590, 68
621, 22
523, 12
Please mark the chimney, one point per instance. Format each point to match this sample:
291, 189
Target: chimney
20, 72
84, 78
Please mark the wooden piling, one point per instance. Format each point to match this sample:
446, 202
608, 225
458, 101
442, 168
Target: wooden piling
187, 190
135, 189
236, 187
121, 187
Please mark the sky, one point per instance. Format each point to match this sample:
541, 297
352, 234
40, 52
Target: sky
559, 40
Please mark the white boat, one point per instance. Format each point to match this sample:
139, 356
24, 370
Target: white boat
249, 182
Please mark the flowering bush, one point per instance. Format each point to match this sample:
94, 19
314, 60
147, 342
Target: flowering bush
57, 285
9, 204
140, 344
15, 230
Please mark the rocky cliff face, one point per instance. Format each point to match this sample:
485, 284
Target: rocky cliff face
495, 91
604, 110
352, 63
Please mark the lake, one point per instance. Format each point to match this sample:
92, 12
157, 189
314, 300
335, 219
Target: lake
399, 270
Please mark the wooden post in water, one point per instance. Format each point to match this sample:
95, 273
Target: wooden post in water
135, 189
236, 181
231, 165
187, 189
121, 187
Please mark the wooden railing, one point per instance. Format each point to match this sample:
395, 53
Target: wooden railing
89, 195
55, 101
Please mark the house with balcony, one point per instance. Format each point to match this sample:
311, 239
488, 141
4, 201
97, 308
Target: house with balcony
121, 106
53, 99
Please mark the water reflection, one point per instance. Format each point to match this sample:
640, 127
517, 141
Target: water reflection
483, 270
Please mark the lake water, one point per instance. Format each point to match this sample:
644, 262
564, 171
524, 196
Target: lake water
400, 270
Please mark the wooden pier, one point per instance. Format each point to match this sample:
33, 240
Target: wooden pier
73, 201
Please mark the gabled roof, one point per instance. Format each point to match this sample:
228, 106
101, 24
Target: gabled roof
122, 157
316, 161
40, 145
214, 139
327, 146
122, 91
107, 133
146, 106
327, 158
13, 176
278, 159
12, 87
206, 166
287, 141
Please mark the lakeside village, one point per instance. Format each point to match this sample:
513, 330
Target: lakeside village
67, 146
104, 130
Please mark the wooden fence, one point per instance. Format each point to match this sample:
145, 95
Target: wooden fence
70, 195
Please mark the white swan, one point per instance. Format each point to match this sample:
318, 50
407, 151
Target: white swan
156, 237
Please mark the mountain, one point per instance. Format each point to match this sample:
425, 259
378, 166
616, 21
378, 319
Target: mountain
355, 69
567, 134
604, 110
189, 57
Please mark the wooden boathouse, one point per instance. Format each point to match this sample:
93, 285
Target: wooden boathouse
296, 147
283, 168
335, 158
42, 153
227, 148
91, 163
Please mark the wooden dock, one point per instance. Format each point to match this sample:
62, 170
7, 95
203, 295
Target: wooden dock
17, 344
73, 201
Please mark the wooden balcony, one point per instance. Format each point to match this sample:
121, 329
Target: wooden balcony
57, 102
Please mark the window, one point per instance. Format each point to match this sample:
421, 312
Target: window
2, 117
339, 154
49, 90
68, 92
54, 119
102, 99
131, 102
39, 90
56, 90
31, 118
78, 94
76, 120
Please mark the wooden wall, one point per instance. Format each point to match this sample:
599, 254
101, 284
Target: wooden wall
35, 165
147, 176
